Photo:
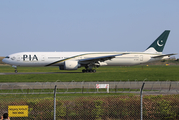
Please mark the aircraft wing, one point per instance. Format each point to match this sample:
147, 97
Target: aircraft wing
99, 59
90, 60
163, 55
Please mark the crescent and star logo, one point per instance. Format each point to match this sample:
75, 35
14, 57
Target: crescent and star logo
160, 44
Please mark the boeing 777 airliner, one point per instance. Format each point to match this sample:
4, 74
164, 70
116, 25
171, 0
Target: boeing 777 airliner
90, 60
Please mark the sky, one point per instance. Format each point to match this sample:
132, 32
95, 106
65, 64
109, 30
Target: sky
86, 25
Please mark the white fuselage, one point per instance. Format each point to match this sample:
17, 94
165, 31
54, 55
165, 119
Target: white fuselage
90, 60
46, 58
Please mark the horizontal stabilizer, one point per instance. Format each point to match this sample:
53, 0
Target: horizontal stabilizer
163, 55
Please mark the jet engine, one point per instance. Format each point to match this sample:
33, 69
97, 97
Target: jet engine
69, 65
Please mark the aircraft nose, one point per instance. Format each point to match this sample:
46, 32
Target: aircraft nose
5, 60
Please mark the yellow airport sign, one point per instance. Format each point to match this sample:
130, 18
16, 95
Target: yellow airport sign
18, 110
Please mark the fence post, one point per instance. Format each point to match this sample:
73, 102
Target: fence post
115, 88
54, 115
141, 101
82, 89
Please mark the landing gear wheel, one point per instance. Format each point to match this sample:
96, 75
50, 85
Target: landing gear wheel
16, 71
83, 70
89, 70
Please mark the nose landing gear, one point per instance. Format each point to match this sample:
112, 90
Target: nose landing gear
16, 70
15, 67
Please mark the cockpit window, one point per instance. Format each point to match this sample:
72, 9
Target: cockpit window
7, 57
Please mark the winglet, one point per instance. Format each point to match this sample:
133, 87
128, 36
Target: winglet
158, 45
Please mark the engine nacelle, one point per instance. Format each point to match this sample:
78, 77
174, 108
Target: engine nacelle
166, 57
100, 64
69, 65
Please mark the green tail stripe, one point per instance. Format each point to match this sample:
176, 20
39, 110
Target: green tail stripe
159, 43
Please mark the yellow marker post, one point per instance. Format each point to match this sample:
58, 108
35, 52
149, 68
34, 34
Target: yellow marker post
18, 110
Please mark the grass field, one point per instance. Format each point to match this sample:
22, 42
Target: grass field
150, 73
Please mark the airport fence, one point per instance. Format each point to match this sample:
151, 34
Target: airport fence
151, 87
84, 106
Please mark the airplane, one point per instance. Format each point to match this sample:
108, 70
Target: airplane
90, 60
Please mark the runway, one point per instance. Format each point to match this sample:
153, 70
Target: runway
23, 73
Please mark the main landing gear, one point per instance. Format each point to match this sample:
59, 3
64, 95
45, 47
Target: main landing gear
89, 69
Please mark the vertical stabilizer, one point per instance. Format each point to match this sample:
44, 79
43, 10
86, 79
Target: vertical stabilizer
158, 45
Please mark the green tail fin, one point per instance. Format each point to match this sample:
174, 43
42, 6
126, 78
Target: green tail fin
159, 43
